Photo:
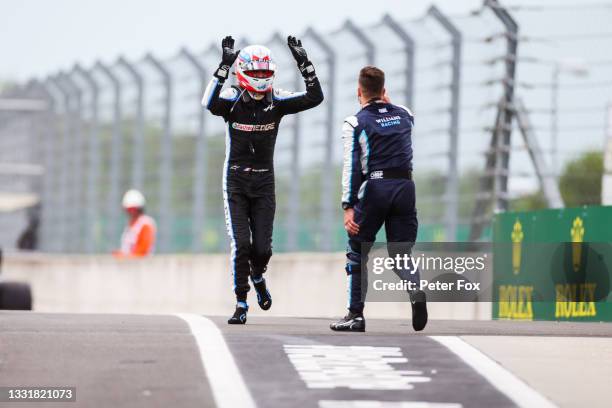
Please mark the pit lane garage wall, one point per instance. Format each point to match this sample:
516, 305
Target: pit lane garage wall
302, 285
553, 264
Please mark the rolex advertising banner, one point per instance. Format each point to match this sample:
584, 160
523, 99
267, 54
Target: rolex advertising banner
553, 265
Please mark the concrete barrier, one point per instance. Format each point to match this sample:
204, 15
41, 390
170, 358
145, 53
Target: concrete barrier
302, 284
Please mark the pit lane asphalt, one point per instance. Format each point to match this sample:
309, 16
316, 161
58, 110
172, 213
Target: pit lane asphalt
154, 361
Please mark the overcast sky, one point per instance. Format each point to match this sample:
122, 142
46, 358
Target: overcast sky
38, 37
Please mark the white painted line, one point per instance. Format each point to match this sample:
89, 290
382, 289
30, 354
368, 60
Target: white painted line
228, 387
515, 389
352, 367
385, 404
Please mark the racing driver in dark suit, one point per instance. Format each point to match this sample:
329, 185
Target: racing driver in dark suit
252, 112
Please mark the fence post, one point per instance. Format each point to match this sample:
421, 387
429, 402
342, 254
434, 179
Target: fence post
327, 201
59, 81
93, 170
165, 170
201, 160
494, 187
293, 201
138, 146
409, 50
56, 210
295, 188
452, 179
47, 134
363, 39
74, 192
507, 108
212, 54
116, 168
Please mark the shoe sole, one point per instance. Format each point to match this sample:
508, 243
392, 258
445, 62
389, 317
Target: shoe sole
348, 329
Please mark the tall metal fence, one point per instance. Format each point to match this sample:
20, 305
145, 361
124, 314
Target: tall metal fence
138, 123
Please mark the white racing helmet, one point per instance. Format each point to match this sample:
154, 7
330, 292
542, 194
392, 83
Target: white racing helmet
133, 199
255, 69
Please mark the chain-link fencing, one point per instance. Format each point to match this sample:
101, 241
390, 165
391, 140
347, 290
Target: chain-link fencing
138, 123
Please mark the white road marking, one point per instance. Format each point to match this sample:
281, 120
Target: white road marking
354, 367
385, 404
515, 389
228, 387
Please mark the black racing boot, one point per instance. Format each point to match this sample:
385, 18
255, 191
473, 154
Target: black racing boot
419, 310
353, 322
240, 315
263, 295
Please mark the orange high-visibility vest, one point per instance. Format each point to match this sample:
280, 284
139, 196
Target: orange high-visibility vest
138, 239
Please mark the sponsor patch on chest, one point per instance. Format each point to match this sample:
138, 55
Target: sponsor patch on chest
253, 128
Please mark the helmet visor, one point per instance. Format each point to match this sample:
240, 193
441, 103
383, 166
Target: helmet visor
259, 66
259, 73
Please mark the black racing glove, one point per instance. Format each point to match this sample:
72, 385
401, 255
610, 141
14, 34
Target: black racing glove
299, 53
227, 59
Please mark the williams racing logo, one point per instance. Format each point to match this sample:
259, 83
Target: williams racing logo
253, 128
388, 121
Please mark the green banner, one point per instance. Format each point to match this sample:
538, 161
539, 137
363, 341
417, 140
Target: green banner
553, 265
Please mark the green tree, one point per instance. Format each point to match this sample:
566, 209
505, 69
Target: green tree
580, 183
529, 202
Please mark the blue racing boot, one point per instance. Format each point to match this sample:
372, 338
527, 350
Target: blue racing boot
263, 295
240, 315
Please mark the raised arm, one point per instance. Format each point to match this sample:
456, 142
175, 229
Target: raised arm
217, 102
352, 176
294, 102
220, 103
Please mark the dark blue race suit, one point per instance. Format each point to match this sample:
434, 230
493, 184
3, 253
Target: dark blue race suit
248, 177
377, 183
